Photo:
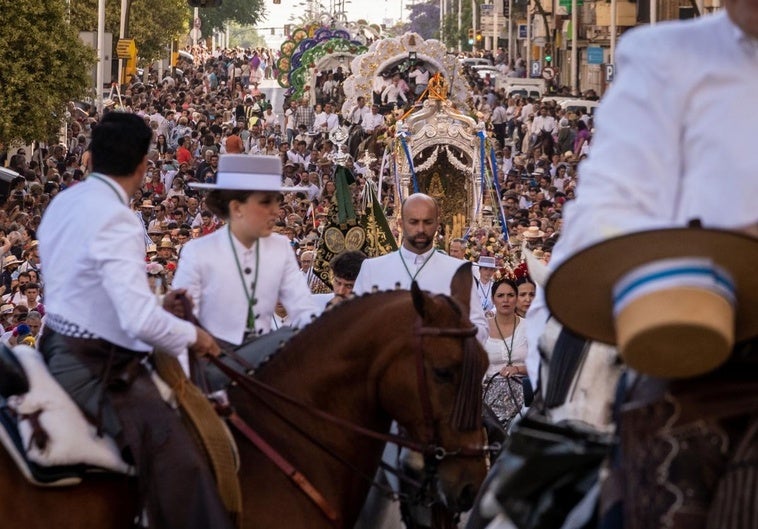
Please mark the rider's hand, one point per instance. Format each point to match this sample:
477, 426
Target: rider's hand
173, 303
205, 345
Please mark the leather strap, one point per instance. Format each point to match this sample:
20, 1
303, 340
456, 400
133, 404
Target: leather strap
285, 466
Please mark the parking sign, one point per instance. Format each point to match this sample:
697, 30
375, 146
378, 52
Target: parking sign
610, 71
536, 68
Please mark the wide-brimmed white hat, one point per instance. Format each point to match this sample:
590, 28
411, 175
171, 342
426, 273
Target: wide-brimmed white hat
486, 261
242, 172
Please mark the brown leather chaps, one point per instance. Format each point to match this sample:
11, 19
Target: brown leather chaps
689, 449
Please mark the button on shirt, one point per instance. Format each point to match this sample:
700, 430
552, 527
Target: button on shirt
208, 270
93, 252
659, 158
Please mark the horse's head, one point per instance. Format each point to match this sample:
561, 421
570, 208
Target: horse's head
433, 389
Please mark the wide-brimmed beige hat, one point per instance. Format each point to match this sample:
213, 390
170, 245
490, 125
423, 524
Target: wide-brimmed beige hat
674, 300
533, 232
10, 260
242, 172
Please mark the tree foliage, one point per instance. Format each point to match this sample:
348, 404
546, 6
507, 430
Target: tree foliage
243, 12
44, 65
452, 35
152, 24
425, 19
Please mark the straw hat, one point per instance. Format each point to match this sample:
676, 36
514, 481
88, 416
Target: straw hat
147, 204
166, 243
10, 260
533, 232
243, 172
7, 308
674, 300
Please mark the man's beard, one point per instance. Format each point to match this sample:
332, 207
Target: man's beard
420, 242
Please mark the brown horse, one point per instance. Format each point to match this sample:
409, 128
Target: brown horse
396, 355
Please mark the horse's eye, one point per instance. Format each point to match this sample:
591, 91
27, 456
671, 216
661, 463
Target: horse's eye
444, 375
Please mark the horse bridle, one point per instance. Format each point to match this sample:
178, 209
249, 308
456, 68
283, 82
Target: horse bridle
431, 448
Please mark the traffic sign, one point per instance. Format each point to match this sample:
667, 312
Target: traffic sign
195, 34
594, 55
548, 73
198, 23
536, 68
610, 72
539, 42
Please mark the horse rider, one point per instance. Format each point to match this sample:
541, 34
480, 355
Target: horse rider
543, 123
103, 321
653, 164
359, 112
260, 265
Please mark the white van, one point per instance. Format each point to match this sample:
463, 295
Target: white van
579, 106
520, 86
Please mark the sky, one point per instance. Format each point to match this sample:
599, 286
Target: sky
374, 11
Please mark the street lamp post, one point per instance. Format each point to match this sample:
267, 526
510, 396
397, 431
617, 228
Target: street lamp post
100, 55
473, 19
528, 39
574, 50
511, 47
460, 23
614, 30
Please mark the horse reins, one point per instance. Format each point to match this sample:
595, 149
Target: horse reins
249, 384
432, 450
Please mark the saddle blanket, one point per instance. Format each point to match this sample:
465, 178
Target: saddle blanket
71, 439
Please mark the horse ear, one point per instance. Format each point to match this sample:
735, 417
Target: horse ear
418, 299
460, 286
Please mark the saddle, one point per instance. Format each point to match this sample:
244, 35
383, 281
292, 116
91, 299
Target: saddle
44, 431
13, 379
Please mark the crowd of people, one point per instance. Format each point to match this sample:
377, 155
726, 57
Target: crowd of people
201, 130
215, 107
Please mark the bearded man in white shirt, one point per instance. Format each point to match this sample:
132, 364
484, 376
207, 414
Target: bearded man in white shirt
102, 318
655, 153
416, 260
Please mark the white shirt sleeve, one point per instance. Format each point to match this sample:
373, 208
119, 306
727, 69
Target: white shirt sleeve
125, 281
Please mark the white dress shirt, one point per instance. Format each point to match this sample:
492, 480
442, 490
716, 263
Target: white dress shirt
93, 252
546, 123
497, 349
392, 94
208, 270
660, 156
332, 121
388, 271
359, 114
319, 122
373, 121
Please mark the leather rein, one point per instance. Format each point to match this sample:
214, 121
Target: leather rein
246, 382
432, 450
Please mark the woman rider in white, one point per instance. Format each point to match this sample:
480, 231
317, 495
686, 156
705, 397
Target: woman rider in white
236, 275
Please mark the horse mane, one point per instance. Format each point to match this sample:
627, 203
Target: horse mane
467, 410
328, 318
